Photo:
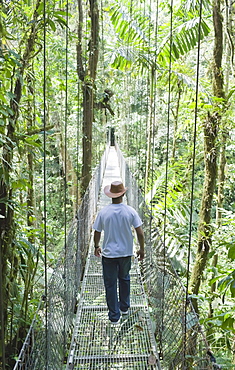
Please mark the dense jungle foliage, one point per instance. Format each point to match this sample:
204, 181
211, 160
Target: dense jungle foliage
161, 75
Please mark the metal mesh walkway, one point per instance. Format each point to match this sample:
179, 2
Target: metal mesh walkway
96, 344
181, 342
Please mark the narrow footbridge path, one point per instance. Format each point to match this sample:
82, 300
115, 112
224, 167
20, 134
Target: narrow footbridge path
97, 344
71, 330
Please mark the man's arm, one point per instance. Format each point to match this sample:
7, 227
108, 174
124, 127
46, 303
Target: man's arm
97, 235
140, 237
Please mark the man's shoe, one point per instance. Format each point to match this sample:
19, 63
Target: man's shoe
124, 312
114, 322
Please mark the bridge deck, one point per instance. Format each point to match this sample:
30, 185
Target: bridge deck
96, 344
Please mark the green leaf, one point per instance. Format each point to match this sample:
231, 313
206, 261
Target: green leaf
231, 92
184, 38
61, 21
231, 252
40, 8
4, 112
52, 25
224, 283
232, 288
33, 141
60, 12
20, 184
10, 111
228, 324
214, 280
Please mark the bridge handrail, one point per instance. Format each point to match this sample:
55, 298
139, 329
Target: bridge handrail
178, 333
46, 344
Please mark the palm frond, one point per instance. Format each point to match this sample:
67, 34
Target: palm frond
183, 39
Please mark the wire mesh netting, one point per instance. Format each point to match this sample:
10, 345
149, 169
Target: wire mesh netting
95, 344
47, 341
179, 336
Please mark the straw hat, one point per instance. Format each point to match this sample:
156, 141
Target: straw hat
115, 190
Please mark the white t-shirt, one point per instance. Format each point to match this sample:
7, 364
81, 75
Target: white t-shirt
116, 220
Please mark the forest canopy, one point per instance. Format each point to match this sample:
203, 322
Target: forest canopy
158, 75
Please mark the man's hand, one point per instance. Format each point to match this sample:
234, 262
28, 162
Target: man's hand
140, 254
97, 252
140, 237
97, 235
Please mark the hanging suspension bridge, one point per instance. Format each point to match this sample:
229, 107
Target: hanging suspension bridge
71, 329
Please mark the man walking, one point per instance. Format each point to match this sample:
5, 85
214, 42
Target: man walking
116, 220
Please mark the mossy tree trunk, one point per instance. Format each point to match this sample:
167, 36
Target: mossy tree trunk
29, 259
224, 134
211, 126
220, 198
87, 75
9, 261
204, 228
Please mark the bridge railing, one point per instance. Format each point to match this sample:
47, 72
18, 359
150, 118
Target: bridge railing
179, 336
45, 346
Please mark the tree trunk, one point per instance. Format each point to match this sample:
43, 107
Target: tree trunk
229, 41
218, 81
7, 227
32, 259
204, 228
229, 52
88, 96
87, 74
210, 157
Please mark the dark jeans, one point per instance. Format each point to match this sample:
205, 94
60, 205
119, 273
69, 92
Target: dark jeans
117, 269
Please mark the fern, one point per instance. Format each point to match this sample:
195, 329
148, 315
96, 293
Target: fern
136, 35
183, 39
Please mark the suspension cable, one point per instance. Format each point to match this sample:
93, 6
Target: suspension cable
154, 120
129, 84
44, 184
166, 169
77, 144
107, 130
65, 179
1, 309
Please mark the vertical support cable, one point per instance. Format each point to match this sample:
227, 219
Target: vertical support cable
153, 126
148, 116
106, 137
78, 171
77, 264
66, 267
192, 178
78, 146
44, 185
1, 311
2, 330
166, 170
129, 84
